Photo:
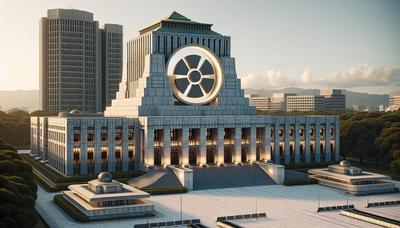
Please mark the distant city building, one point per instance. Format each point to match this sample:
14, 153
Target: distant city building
352, 179
394, 101
334, 99
359, 108
278, 101
382, 108
305, 103
261, 103
79, 63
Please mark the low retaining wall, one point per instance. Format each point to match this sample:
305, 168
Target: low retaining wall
276, 172
184, 175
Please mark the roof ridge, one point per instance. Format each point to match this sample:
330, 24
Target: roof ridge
177, 16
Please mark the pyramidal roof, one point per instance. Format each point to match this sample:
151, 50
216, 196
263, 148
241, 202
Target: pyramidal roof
169, 23
177, 16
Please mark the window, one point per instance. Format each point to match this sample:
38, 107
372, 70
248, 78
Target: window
131, 134
117, 154
90, 137
118, 135
104, 135
130, 153
103, 153
77, 136
76, 152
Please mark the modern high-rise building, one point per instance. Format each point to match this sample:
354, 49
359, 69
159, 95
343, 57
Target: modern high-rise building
75, 56
112, 49
334, 99
305, 103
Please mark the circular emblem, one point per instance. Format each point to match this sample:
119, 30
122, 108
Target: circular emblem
195, 75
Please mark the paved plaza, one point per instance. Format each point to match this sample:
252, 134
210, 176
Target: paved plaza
285, 207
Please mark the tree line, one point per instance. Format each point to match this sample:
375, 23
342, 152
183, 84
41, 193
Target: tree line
371, 136
15, 126
18, 191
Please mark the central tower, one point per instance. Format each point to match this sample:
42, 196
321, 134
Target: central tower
179, 67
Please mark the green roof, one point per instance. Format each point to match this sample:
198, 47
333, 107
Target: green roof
177, 16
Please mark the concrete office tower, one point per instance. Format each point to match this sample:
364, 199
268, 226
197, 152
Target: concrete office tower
261, 103
305, 103
334, 99
71, 61
111, 62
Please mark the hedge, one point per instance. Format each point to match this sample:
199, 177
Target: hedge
53, 181
295, 182
70, 209
165, 190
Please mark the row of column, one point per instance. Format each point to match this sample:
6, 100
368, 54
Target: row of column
202, 139
265, 150
307, 143
110, 145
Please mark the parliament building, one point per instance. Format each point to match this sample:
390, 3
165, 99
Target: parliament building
179, 103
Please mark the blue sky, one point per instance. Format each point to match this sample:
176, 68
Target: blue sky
352, 44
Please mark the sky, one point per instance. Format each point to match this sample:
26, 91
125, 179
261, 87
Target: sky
349, 44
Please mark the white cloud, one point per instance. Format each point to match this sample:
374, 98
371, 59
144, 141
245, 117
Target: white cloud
364, 76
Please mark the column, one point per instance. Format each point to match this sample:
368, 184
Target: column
220, 146
297, 143
139, 147
166, 157
307, 139
266, 151
124, 145
83, 149
149, 146
111, 146
97, 146
69, 150
337, 140
277, 143
237, 154
328, 142
253, 144
185, 147
202, 158
287, 143
317, 141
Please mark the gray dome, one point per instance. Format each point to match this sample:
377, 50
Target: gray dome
74, 111
62, 114
345, 163
104, 177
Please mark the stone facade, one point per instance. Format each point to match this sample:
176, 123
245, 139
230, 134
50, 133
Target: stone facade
167, 131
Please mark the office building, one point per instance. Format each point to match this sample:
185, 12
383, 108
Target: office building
261, 103
77, 61
181, 103
394, 101
305, 103
334, 99
360, 108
